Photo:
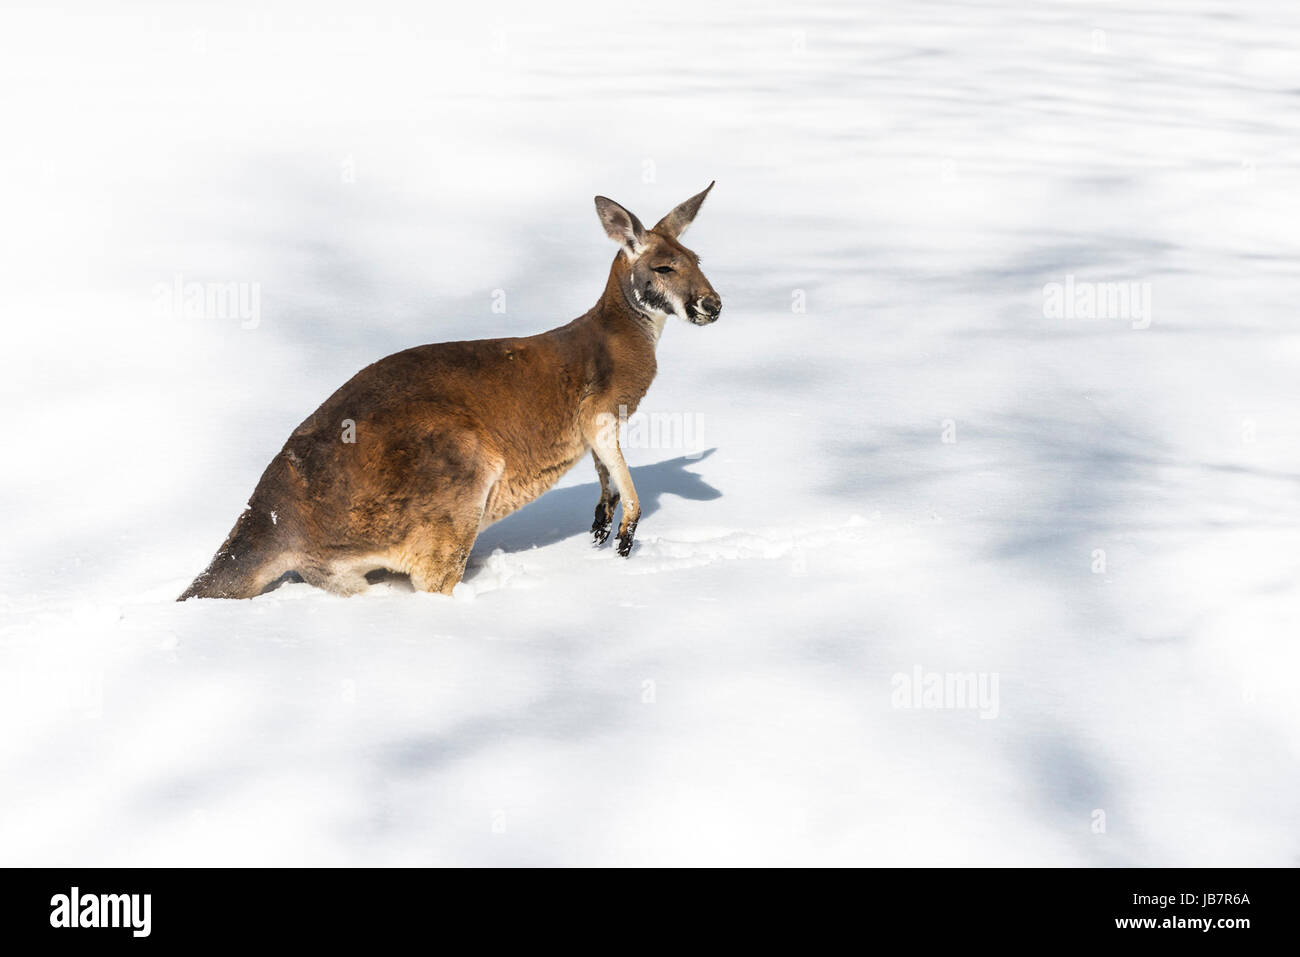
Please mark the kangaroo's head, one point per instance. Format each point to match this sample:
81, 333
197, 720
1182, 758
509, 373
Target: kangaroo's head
658, 275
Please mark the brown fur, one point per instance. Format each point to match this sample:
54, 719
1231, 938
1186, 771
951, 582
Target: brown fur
453, 436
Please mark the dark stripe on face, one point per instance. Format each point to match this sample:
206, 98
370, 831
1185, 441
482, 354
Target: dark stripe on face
655, 299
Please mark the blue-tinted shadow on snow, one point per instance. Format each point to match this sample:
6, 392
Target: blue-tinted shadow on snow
565, 512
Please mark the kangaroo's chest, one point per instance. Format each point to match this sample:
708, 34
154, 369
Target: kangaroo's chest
546, 439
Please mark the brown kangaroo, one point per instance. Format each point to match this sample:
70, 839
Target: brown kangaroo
402, 467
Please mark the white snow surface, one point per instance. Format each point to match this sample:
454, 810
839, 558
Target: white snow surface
1113, 529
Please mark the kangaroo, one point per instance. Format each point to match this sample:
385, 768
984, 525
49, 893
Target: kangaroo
416, 454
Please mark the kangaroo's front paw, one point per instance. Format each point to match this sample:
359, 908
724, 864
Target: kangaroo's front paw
625, 539
604, 520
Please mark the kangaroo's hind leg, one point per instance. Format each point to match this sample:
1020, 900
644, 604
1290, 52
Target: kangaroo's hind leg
437, 554
441, 552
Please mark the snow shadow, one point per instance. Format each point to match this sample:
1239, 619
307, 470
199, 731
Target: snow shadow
566, 512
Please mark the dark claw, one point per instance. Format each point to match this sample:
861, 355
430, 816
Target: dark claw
599, 531
625, 541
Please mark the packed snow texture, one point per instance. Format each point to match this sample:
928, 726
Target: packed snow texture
902, 463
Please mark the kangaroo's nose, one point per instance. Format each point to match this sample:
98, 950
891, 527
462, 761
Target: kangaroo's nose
712, 305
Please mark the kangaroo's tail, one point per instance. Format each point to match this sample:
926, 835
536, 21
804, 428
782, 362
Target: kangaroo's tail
248, 561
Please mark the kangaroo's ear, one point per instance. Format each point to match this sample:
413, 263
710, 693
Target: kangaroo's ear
621, 226
675, 223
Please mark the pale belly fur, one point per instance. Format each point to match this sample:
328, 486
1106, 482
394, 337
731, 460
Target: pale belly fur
516, 488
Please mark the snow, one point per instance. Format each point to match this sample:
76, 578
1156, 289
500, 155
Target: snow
909, 467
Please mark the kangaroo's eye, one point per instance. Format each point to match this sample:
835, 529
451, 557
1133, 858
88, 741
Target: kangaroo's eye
663, 268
